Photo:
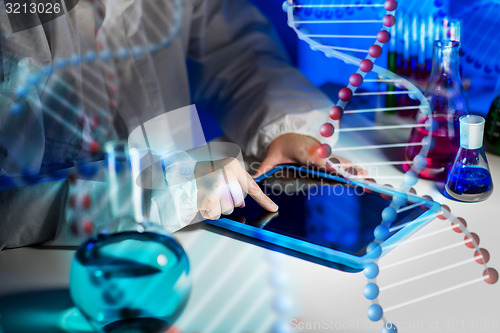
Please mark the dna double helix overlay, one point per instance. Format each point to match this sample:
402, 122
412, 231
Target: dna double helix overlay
73, 98
74, 93
314, 24
97, 63
325, 26
480, 20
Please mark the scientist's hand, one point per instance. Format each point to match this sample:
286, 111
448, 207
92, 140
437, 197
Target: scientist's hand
300, 149
222, 186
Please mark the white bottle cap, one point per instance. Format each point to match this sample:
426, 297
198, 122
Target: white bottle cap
471, 132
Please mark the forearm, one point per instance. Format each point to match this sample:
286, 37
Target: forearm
246, 80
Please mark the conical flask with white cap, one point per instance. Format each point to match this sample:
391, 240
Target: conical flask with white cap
469, 179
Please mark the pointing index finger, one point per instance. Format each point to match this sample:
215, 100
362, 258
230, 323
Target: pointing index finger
249, 185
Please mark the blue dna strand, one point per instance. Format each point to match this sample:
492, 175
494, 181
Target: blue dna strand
106, 53
331, 35
480, 21
344, 8
69, 99
103, 61
316, 22
98, 63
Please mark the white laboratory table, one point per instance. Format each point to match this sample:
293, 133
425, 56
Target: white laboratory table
232, 293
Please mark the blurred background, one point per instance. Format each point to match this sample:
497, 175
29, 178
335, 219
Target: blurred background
478, 26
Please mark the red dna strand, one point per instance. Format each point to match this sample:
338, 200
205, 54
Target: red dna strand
331, 36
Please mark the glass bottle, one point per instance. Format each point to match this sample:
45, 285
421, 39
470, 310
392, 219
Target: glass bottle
409, 64
390, 99
469, 178
133, 276
492, 128
446, 99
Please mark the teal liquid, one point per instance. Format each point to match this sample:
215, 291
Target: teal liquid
130, 281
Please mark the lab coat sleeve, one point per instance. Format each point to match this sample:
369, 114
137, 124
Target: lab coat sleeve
240, 73
176, 207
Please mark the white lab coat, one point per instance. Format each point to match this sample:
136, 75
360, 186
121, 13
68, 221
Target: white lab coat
225, 58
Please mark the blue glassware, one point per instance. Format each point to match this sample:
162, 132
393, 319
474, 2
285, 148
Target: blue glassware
133, 276
130, 280
469, 178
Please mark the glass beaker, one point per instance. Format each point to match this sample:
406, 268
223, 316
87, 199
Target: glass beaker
445, 95
133, 276
469, 178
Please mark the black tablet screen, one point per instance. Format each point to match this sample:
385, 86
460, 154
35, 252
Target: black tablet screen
320, 211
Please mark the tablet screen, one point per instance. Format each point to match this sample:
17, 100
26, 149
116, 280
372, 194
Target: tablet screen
320, 211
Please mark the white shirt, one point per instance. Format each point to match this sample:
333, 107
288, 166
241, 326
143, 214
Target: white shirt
225, 58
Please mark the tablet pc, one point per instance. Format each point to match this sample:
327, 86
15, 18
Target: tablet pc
323, 218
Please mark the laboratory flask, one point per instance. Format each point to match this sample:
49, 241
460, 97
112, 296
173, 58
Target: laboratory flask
133, 276
439, 126
469, 178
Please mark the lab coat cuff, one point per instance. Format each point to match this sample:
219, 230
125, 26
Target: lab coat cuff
178, 167
307, 123
176, 207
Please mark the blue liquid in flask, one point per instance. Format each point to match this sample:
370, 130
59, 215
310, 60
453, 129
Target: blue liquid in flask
130, 281
469, 178
469, 182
